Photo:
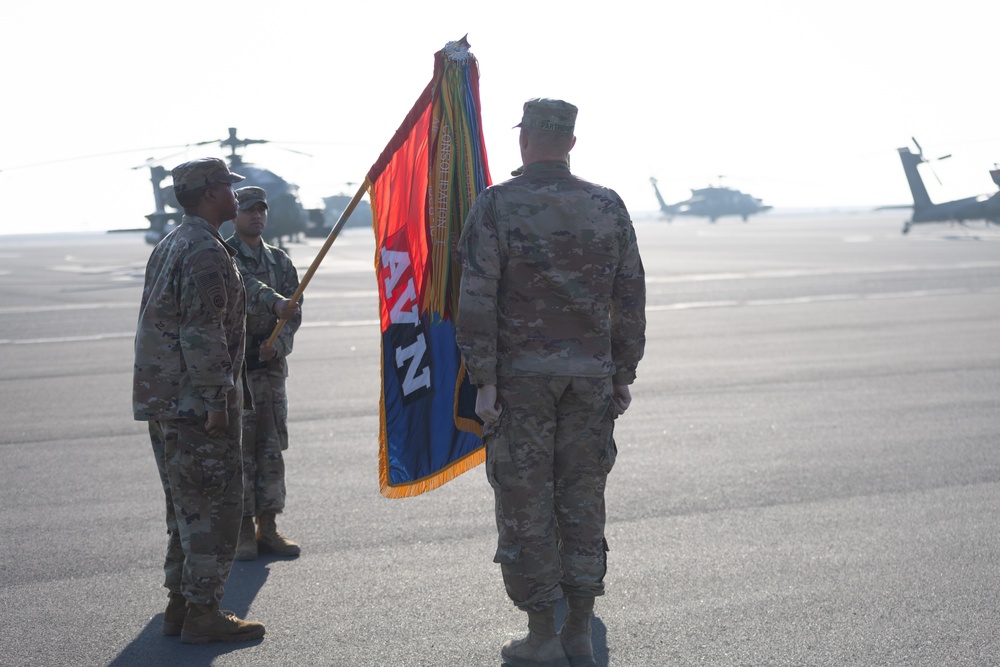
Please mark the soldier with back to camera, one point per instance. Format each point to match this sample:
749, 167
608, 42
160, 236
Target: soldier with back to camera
551, 324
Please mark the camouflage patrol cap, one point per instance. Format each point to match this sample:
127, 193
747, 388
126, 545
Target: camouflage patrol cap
250, 195
200, 173
545, 114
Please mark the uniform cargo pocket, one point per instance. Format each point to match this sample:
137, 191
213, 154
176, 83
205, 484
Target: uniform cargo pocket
499, 466
507, 554
610, 453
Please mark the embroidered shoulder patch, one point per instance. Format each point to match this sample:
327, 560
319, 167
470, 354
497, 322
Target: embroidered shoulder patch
212, 289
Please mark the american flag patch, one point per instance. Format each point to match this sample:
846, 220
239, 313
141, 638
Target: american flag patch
210, 280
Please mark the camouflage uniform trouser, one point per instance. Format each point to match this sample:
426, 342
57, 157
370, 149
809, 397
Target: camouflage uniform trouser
548, 459
203, 484
265, 437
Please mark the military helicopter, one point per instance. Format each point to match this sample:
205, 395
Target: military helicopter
982, 207
320, 226
712, 203
286, 218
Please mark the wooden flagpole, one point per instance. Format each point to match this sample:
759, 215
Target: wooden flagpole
319, 257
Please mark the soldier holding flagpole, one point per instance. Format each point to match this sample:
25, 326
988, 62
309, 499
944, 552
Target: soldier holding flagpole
268, 274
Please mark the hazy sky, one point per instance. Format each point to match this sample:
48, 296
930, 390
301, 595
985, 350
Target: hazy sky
800, 103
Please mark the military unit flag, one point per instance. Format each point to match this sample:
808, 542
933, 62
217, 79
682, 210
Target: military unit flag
420, 190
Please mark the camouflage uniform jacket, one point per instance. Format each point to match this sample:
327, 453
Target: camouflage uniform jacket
268, 274
552, 282
190, 336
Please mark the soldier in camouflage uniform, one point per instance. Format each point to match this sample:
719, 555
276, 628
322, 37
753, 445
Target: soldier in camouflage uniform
268, 274
187, 384
551, 325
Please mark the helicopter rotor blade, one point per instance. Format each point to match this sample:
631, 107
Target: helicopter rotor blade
920, 152
153, 161
930, 165
943, 157
292, 150
46, 163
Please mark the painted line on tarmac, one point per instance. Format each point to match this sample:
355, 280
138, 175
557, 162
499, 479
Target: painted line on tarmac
67, 339
345, 323
24, 310
802, 273
650, 280
824, 298
131, 334
19, 310
689, 305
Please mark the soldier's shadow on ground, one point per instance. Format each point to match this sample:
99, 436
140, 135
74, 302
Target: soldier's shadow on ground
152, 649
599, 638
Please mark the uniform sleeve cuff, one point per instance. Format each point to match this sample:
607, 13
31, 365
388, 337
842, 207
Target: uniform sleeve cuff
480, 379
623, 377
215, 405
269, 299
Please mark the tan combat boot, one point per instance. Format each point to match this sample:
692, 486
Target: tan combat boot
541, 648
575, 635
246, 547
207, 623
269, 539
173, 617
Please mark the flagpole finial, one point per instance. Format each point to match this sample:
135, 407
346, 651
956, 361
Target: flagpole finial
458, 50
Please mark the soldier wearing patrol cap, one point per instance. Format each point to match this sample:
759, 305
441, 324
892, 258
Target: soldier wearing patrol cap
269, 277
551, 325
187, 384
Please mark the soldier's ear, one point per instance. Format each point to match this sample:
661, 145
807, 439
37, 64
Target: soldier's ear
212, 191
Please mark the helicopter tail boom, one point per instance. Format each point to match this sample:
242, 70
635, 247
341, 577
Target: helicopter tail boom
910, 161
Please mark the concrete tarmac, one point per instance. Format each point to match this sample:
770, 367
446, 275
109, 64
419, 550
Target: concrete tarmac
809, 474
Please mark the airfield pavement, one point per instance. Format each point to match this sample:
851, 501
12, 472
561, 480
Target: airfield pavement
809, 474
